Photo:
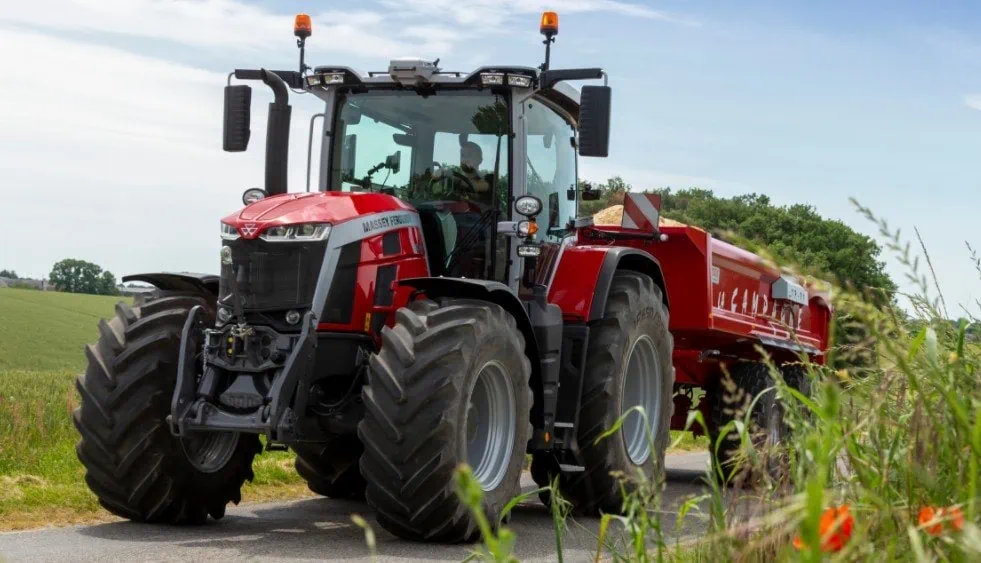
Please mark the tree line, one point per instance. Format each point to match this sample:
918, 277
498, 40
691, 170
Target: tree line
76, 276
794, 234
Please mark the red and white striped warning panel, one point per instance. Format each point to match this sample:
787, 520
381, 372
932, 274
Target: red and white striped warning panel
641, 211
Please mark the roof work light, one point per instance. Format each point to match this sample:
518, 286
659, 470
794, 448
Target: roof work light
302, 27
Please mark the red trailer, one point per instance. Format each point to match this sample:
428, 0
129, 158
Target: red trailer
724, 301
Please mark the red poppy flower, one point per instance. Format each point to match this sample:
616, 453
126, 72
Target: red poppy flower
835, 527
930, 521
933, 519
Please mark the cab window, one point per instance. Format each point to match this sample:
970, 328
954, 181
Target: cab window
551, 166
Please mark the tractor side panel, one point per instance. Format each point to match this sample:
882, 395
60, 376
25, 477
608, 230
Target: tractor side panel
576, 277
365, 289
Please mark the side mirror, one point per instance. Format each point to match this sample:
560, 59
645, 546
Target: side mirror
594, 121
352, 115
350, 153
590, 194
238, 112
394, 161
403, 139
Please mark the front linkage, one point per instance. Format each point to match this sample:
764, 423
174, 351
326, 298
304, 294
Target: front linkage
247, 350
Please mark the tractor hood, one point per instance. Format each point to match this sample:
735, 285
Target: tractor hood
319, 207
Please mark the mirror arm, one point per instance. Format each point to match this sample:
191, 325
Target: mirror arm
550, 78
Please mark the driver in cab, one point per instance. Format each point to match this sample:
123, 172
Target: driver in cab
470, 159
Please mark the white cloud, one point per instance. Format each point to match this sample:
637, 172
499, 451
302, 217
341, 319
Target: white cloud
973, 101
228, 24
493, 14
121, 163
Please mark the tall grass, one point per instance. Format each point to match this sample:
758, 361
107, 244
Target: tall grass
884, 462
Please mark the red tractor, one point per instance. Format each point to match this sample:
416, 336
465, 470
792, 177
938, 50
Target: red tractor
436, 300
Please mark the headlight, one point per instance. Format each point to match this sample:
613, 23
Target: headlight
529, 251
306, 232
528, 205
228, 232
253, 195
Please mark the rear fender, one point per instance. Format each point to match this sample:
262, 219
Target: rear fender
184, 281
584, 275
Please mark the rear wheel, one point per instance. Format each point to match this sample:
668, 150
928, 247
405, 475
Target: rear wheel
769, 426
331, 469
628, 364
449, 386
133, 464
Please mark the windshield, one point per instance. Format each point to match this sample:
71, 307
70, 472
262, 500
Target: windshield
449, 145
444, 152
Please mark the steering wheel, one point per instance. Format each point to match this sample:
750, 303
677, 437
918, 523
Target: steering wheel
466, 180
470, 188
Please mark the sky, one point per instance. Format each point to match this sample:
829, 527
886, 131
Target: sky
110, 110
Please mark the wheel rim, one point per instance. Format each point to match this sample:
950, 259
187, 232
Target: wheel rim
641, 388
208, 452
490, 425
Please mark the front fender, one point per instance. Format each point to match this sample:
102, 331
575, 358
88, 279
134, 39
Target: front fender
492, 291
183, 281
584, 274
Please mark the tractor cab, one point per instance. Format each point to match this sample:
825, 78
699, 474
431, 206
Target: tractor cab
461, 148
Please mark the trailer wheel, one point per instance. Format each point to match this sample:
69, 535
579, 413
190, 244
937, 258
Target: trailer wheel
628, 364
133, 464
449, 386
331, 469
769, 426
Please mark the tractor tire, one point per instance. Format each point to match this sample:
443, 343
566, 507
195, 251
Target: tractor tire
729, 401
632, 333
331, 469
450, 385
133, 464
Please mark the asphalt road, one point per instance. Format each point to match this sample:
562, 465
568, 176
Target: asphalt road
321, 529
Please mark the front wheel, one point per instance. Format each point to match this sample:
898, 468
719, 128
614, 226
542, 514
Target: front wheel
133, 464
450, 385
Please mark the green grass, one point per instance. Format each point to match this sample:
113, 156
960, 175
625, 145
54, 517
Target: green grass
46, 331
683, 441
43, 335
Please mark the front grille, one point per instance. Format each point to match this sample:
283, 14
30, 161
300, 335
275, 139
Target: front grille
273, 276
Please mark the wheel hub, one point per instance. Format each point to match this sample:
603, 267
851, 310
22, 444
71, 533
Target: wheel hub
641, 388
490, 425
209, 452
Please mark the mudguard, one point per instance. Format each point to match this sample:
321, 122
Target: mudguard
496, 292
173, 281
584, 274
492, 291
